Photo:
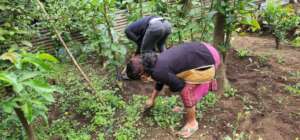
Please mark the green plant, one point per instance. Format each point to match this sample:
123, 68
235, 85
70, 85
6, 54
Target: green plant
208, 101
65, 128
24, 86
243, 53
230, 92
163, 114
281, 19
295, 74
16, 29
94, 19
294, 89
263, 59
296, 42
229, 17
280, 60
131, 116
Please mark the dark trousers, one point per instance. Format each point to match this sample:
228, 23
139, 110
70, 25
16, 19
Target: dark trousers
155, 36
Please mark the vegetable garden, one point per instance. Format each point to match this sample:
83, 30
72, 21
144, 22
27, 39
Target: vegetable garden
60, 65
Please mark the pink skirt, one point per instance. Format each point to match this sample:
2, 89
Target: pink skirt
192, 94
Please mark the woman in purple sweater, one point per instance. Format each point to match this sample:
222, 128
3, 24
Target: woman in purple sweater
179, 67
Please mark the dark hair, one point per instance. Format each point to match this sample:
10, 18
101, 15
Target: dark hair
139, 64
134, 68
149, 60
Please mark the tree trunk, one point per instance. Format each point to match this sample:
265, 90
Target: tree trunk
28, 128
219, 39
219, 31
277, 42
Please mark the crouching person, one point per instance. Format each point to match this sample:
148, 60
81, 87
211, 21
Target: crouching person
188, 68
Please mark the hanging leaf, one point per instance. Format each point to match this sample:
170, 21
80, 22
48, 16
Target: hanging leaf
11, 56
8, 106
27, 109
26, 43
46, 56
11, 79
39, 86
37, 62
28, 75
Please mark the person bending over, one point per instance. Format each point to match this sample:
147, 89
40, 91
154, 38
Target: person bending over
149, 33
188, 68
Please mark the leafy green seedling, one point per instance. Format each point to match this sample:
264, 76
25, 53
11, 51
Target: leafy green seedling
230, 92
243, 53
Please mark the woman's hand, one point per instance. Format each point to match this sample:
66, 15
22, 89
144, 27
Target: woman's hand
151, 100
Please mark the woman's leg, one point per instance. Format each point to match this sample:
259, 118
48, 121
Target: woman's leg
190, 117
191, 95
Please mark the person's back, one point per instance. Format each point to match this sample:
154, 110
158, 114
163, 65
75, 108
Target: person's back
184, 57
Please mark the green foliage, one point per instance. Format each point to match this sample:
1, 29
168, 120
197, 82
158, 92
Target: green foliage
163, 114
294, 74
27, 76
128, 129
67, 129
79, 115
230, 92
207, 102
296, 42
16, 28
281, 19
263, 59
24, 85
94, 19
243, 53
293, 89
280, 60
237, 13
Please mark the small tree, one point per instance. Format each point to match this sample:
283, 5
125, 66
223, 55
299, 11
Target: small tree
24, 87
281, 19
228, 16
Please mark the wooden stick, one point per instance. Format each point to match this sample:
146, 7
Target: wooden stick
67, 48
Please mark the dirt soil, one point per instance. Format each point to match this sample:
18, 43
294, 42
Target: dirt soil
262, 108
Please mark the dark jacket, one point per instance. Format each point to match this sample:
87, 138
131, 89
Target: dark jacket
178, 59
136, 31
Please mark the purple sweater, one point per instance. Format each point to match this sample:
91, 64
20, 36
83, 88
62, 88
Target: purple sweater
184, 57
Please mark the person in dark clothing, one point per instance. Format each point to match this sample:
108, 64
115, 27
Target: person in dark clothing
149, 33
188, 68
